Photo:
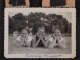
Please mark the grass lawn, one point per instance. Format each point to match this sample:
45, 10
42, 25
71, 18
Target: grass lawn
14, 47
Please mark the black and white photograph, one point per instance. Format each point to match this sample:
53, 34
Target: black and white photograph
40, 33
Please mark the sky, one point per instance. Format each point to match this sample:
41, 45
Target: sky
66, 13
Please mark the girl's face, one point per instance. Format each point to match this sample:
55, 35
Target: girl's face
57, 32
30, 29
42, 29
24, 31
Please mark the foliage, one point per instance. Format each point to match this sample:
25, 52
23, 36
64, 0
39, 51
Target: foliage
35, 20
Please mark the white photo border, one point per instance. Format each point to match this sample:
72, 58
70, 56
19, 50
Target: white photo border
72, 55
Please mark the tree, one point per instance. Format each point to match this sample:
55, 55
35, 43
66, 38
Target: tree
17, 22
35, 20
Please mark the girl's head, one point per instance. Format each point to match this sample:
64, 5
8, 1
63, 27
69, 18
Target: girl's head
24, 31
30, 30
57, 32
41, 29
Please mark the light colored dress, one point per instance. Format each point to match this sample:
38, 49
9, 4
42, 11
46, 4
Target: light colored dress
59, 38
24, 36
29, 40
52, 41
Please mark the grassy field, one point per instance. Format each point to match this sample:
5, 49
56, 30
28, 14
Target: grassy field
14, 47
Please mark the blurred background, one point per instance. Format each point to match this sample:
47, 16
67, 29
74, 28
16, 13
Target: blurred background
40, 3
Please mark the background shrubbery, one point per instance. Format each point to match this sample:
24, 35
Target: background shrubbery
35, 20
